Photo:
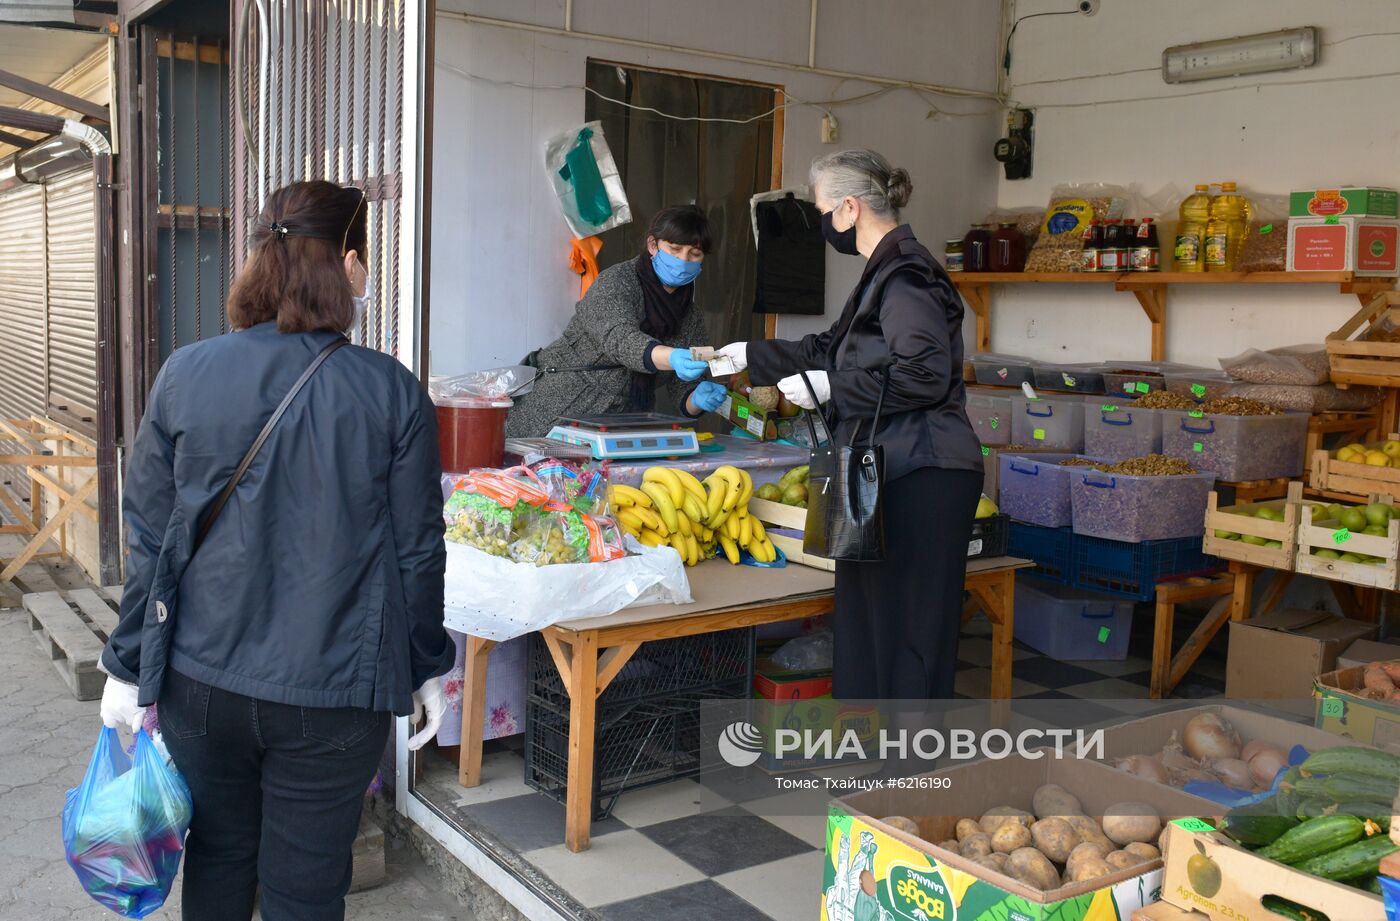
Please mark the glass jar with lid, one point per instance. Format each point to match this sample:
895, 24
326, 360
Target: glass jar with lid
1008, 249
953, 255
977, 247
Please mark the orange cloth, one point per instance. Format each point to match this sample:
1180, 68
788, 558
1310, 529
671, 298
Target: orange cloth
583, 261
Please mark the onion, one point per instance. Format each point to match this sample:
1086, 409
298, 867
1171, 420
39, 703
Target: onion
1251, 749
1233, 773
1210, 738
1266, 764
1144, 766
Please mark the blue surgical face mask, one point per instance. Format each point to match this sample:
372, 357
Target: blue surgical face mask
673, 271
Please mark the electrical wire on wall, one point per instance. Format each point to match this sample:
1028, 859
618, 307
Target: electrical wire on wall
825, 106
1006, 55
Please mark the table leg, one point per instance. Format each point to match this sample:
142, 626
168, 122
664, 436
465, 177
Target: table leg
996, 594
474, 662
1242, 598
583, 705
1162, 647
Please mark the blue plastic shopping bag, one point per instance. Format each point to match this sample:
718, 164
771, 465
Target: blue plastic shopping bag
124, 826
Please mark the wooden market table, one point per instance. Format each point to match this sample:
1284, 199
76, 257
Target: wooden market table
590, 653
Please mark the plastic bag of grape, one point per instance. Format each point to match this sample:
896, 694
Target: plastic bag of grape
490, 510
561, 534
124, 826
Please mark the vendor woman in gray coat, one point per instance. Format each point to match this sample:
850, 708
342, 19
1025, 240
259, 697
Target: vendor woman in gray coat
629, 335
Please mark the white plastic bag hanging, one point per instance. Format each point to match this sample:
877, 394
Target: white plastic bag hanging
497, 599
586, 180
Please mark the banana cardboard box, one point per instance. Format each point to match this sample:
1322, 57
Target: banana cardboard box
1208, 873
1341, 709
802, 701
874, 872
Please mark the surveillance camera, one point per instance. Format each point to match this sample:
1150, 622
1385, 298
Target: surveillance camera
1088, 7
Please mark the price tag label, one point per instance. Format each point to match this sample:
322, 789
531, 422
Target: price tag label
1341, 536
1069, 381
1196, 414
1194, 824
1143, 387
1103, 634
1267, 228
1199, 390
1198, 447
995, 422
1038, 434
742, 412
1128, 387
986, 451
1334, 707
1109, 408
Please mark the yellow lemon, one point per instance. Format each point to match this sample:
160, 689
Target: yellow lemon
1377, 459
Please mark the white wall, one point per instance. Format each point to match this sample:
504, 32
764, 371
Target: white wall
500, 284
1267, 136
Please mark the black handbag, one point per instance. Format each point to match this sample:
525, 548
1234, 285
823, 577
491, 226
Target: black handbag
844, 516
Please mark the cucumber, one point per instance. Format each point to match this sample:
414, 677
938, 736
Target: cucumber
1314, 806
1370, 884
1376, 812
1256, 829
1357, 788
1349, 759
1291, 910
1287, 798
1362, 858
1315, 837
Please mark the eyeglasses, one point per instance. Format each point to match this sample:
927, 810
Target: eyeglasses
354, 214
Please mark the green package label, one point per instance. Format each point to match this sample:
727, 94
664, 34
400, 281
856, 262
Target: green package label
986, 451
1199, 390
1267, 228
1038, 434
1335, 707
1194, 824
1341, 536
995, 422
1198, 447
1143, 387
1103, 634
742, 412
1197, 414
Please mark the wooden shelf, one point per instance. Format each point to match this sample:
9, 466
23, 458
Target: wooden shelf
1150, 290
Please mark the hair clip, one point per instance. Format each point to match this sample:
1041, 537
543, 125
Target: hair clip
280, 229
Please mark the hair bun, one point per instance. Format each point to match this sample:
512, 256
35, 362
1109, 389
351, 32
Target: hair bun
899, 188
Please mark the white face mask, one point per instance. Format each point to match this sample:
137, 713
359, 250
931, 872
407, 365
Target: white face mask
362, 306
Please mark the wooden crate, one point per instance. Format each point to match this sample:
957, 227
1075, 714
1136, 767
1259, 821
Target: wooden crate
1354, 357
72, 628
1238, 519
1332, 475
1313, 536
776, 514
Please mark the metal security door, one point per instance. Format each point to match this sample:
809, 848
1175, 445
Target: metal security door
335, 89
22, 303
71, 270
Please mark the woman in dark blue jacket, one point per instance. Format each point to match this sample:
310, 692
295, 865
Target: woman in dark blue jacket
313, 610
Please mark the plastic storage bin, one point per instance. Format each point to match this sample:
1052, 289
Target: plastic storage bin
1069, 378
1035, 488
1200, 383
1117, 433
1116, 506
1238, 448
1002, 370
1069, 624
1048, 422
990, 415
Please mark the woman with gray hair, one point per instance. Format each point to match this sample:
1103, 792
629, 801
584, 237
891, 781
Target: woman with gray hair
896, 622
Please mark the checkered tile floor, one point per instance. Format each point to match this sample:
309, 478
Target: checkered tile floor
685, 850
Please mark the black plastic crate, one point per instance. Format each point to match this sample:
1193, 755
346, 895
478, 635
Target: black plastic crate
989, 537
648, 719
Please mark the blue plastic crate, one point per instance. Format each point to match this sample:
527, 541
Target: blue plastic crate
1132, 570
1051, 549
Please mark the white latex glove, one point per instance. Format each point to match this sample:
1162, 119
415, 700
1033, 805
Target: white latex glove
119, 705
430, 699
797, 393
737, 352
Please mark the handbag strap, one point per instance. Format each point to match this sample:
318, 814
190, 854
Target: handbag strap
267, 428
883, 371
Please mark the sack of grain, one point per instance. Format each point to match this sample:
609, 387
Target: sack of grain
1325, 398
1295, 365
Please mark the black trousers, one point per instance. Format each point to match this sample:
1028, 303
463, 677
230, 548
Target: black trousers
896, 622
277, 797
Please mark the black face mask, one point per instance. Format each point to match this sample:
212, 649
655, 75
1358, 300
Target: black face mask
843, 241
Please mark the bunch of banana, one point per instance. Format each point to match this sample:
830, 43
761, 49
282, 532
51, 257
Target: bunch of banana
669, 510
728, 491
673, 508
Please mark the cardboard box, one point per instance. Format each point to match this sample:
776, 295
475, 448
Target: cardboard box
1366, 246
1166, 911
1277, 656
745, 415
1234, 887
801, 700
1364, 652
904, 874
1342, 710
1358, 202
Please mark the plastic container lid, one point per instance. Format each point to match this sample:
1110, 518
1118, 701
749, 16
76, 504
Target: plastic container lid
466, 402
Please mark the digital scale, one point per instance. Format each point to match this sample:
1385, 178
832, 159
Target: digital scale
629, 435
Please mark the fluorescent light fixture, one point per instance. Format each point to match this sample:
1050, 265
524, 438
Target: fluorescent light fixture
1234, 57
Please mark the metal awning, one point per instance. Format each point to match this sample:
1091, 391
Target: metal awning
41, 56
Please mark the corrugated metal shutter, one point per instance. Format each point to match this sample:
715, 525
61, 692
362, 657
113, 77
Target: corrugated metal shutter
72, 270
22, 320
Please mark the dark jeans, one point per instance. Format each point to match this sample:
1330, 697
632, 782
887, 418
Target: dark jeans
277, 797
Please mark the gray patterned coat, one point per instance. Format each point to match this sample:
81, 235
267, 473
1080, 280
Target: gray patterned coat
605, 330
